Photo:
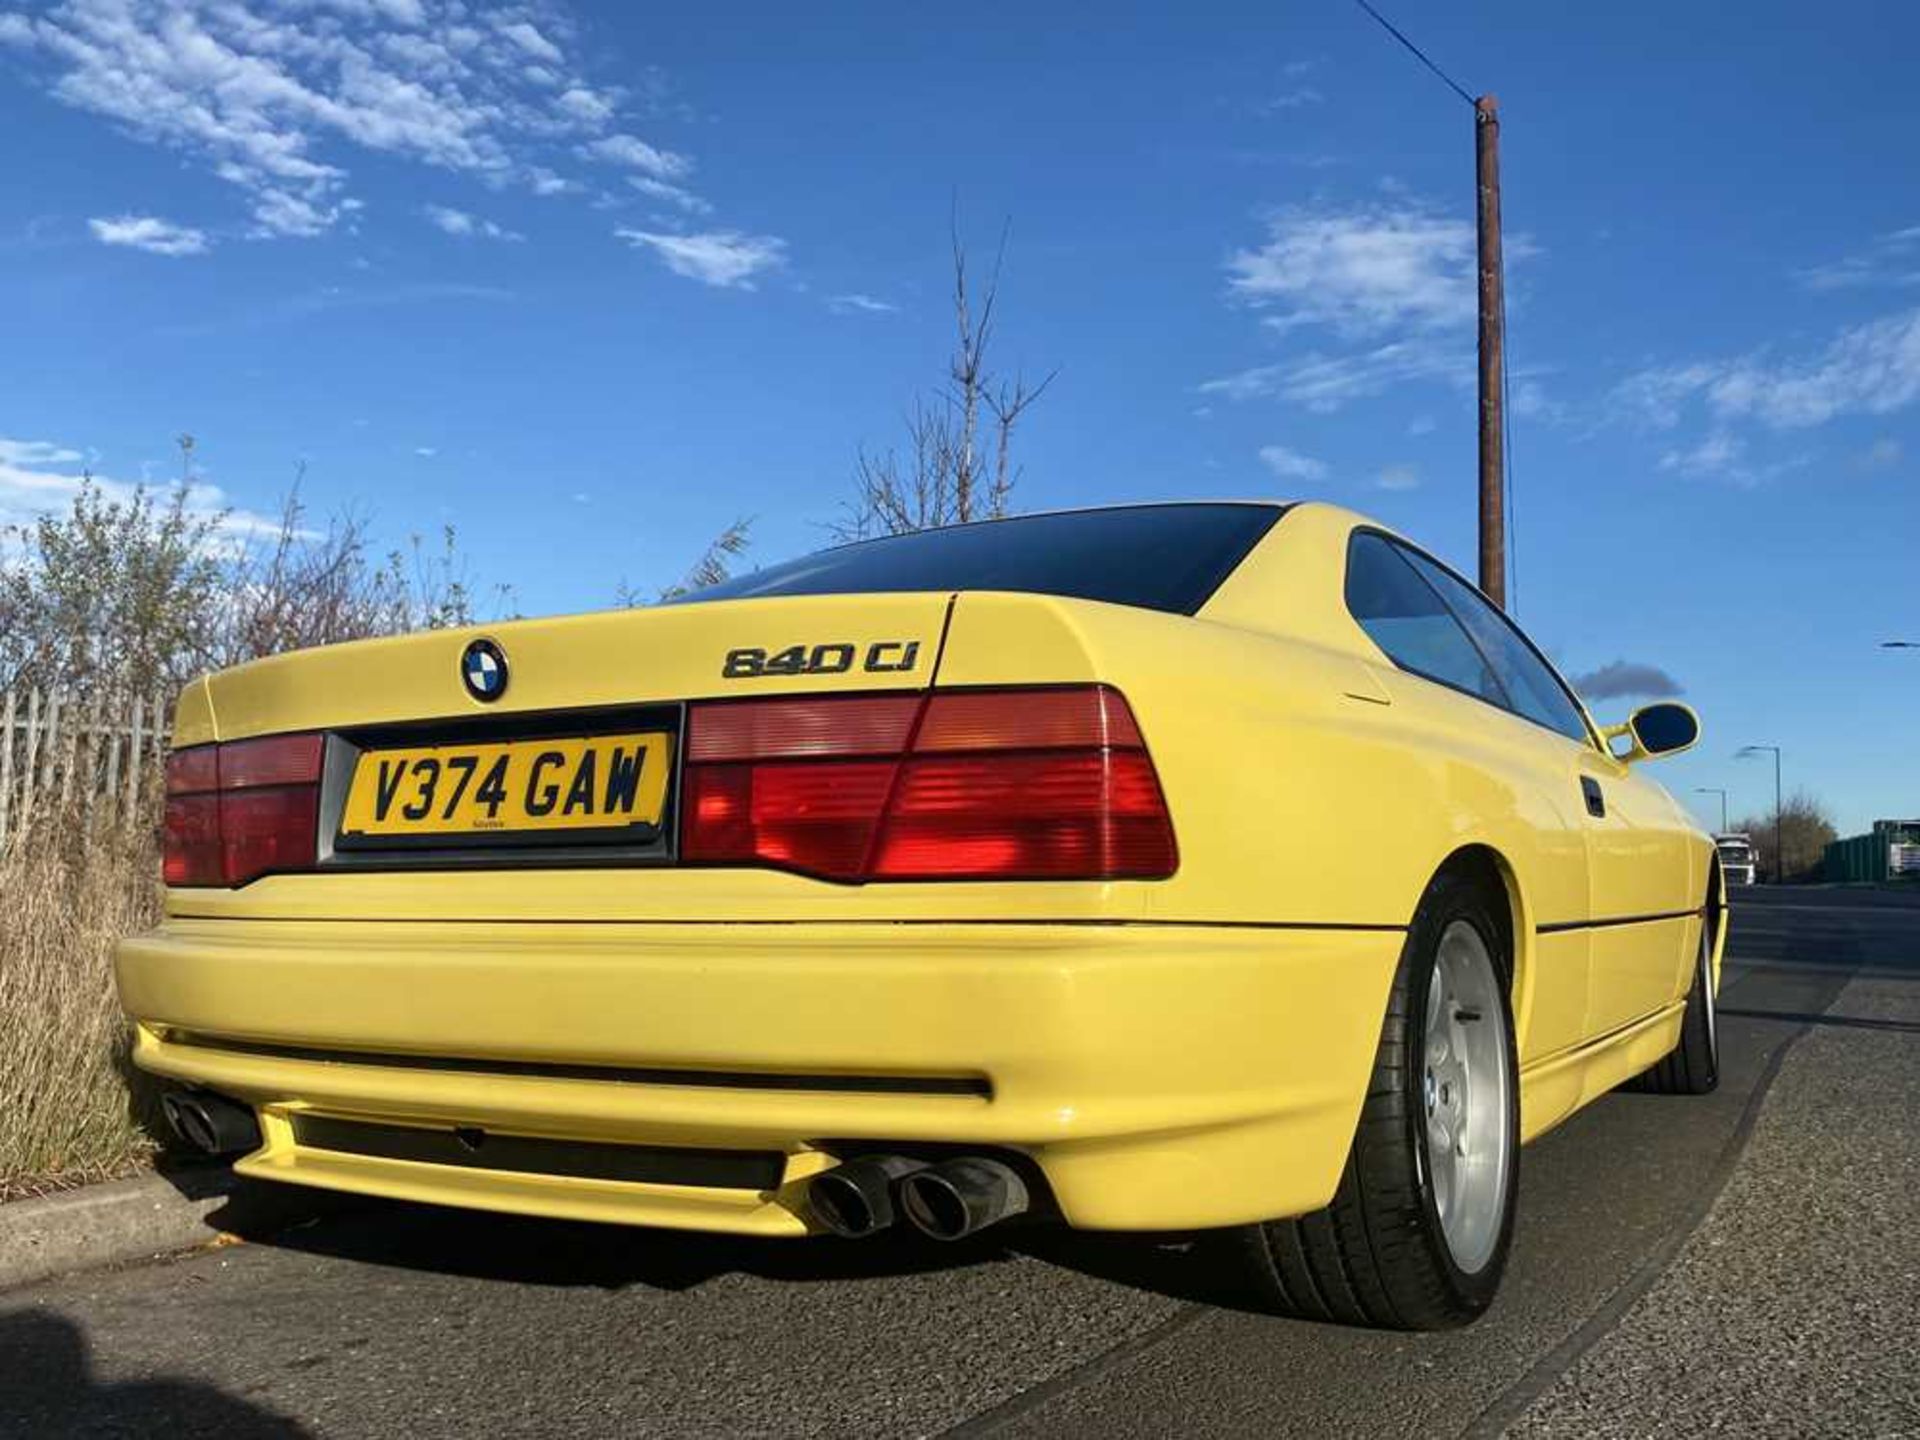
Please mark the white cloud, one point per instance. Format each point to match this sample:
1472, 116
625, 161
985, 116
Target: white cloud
1531, 401
1327, 382
725, 258
274, 96
1291, 464
532, 41
1397, 477
672, 194
1295, 94
588, 106
632, 151
1390, 288
38, 477
1720, 453
845, 304
426, 452
279, 212
1291, 100
1361, 272
460, 223
151, 234
1659, 395
1891, 259
1421, 425
36, 452
1868, 369
1723, 456
278, 97
1246, 384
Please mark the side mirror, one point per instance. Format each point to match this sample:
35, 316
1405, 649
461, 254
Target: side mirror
1653, 730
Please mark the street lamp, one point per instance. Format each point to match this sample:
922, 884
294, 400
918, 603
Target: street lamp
1747, 752
1710, 790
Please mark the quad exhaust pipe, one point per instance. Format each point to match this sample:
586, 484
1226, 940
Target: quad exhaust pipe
210, 1123
855, 1199
962, 1197
948, 1201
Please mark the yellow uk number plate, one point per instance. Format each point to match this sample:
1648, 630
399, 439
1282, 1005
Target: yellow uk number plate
597, 782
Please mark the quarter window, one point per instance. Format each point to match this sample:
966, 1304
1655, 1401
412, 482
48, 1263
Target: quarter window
1406, 618
1533, 689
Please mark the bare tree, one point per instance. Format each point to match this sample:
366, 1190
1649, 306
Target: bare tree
959, 463
1805, 831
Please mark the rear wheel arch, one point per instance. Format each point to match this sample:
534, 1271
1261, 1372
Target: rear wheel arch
1490, 871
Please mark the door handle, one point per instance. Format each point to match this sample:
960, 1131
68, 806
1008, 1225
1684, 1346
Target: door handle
1596, 801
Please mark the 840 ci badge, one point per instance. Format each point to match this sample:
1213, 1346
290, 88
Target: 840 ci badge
882, 657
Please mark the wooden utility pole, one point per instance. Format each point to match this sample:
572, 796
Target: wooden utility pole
1493, 334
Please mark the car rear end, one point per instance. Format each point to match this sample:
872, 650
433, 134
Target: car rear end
659, 916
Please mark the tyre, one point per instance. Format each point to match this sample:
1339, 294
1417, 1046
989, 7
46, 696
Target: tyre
1418, 1232
1693, 1066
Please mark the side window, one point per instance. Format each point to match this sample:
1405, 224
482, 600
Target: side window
1406, 619
1536, 692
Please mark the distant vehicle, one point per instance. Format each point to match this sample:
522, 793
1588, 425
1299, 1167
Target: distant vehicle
847, 893
1737, 860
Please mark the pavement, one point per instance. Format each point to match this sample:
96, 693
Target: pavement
1742, 1263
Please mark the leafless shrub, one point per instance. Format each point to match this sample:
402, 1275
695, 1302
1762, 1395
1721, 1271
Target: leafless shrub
959, 465
301, 588
139, 594
116, 594
1804, 829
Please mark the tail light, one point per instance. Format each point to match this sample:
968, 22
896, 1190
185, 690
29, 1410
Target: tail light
238, 811
1012, 784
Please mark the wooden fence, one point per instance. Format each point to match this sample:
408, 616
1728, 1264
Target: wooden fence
60, 753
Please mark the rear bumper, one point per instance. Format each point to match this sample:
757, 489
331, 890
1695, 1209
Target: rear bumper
1160, 1076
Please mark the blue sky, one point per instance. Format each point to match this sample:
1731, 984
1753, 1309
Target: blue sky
590, 282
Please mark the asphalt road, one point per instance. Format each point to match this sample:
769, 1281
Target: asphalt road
1746, 1263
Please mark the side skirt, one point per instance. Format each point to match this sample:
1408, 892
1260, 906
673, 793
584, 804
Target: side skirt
1552, 1089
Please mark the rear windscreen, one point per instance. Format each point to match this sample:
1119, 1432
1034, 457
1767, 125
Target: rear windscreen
1158, 557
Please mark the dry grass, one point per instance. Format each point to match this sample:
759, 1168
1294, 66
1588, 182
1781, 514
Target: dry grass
71, 1106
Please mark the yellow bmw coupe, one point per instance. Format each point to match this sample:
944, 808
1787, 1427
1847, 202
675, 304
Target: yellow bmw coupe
1232, 867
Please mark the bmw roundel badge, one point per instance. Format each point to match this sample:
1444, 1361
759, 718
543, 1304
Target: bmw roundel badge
483, 667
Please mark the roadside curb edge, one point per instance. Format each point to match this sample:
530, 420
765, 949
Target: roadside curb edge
144, 1218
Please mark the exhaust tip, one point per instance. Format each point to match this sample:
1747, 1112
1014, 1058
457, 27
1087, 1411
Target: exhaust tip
963, 1197
184, 1120
211, 1124
855, 1199
845, 1209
